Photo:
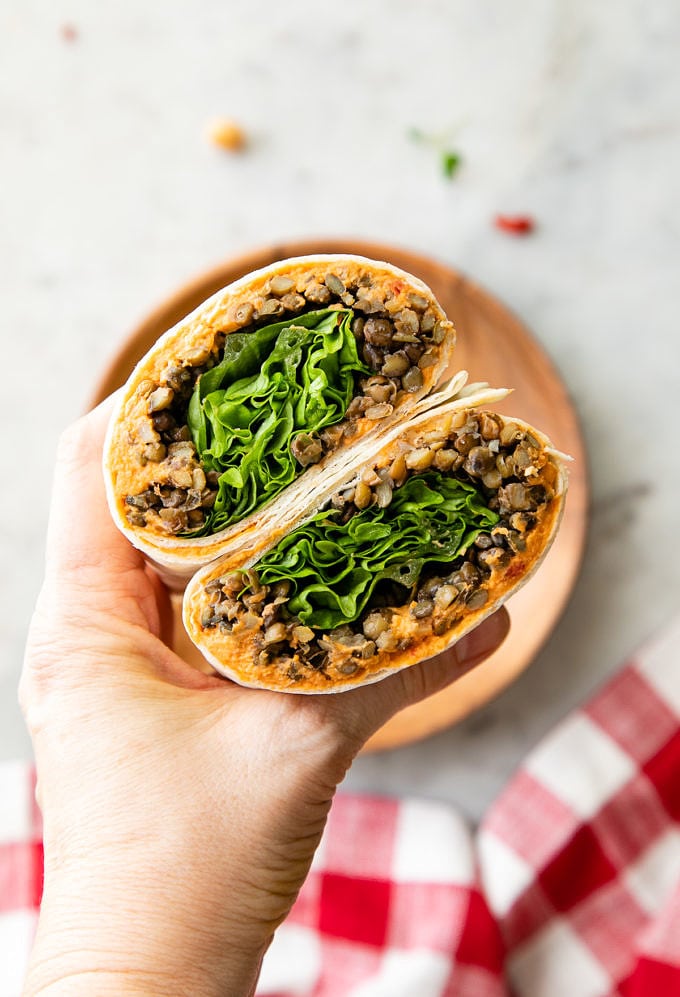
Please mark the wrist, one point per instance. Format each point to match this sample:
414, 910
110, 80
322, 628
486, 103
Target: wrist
104, 935
86, 961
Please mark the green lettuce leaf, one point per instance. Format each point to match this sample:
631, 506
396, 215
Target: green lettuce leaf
290, 377
335, 567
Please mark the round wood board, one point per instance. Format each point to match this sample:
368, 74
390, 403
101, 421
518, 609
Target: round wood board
494, 346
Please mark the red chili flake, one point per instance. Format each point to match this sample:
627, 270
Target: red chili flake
397, 287
69, 32
517, 224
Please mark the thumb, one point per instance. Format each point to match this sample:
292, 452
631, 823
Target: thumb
81, 534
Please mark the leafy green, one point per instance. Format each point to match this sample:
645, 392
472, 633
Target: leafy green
450, 160
291, 377
334, 567
450, 163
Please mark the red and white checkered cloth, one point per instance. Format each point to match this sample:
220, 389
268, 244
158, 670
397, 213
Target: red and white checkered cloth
571, 888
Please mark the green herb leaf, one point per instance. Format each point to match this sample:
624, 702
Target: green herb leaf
334, 567
450, 163
291, 377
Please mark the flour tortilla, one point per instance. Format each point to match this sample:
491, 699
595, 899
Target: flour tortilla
196, 561
176, 558
234, 654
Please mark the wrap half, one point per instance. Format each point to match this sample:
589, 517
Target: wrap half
266, 384
427, 534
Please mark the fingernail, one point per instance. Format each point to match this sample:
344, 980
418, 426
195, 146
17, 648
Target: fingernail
483, 640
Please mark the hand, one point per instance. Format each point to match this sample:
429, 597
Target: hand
181, 811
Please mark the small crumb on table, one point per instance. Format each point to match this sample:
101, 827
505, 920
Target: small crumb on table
226, 134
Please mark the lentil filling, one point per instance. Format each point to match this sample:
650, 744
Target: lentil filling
411, 545
228, 428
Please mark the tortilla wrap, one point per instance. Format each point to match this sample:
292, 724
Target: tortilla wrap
340, 509
249, 639
156, 481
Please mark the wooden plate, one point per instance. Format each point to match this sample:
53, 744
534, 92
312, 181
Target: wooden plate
493, 346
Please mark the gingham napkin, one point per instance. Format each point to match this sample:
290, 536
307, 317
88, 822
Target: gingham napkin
571, 888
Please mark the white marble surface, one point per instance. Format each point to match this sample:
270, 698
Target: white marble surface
562, 108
